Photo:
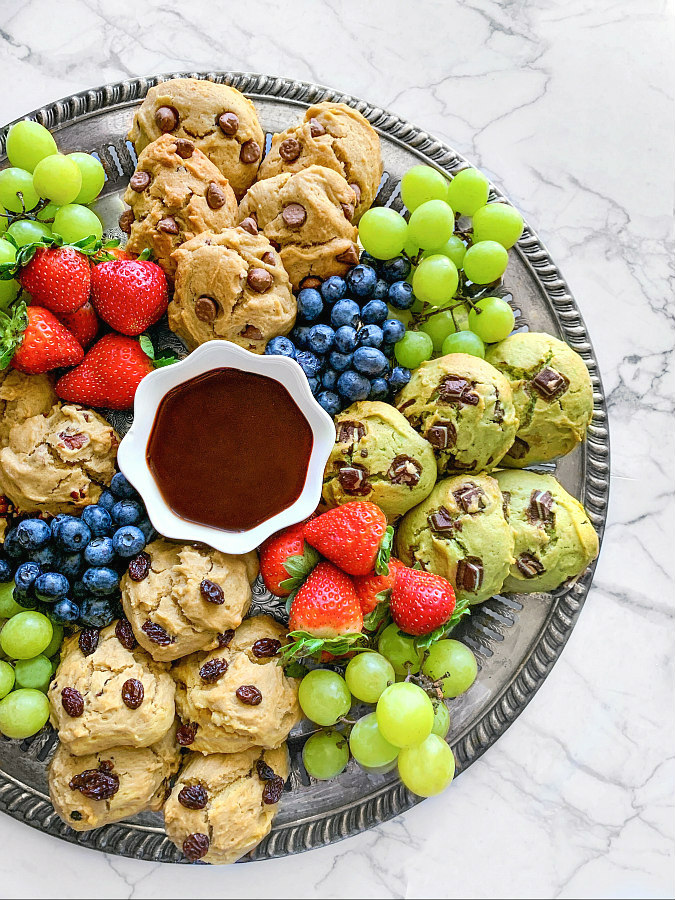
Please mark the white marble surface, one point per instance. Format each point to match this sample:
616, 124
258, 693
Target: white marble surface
568, 106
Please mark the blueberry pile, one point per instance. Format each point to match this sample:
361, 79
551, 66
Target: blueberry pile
346, 332
70, 568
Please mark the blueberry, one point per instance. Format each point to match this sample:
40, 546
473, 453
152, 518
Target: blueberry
329, 379
69, 564
381, 291
310, 304
345, 339
330, 401
128, 541
353, 386
56, 521
368, 260
393, 330
345, 312
401, 295
100, 551
299, 336
51, 586
25, 576
148, 530
80, 590
340, 361
280, 346
398, 379
387, 349
127, 512
369, 361
100, 580
361, 281
320, 339
98, 519
314, 385
47, 558
370, 336
72, 534
97, 612
65, 612
121, 488
33, 534
309, 362
106, 500
333, 289
6, 570
396, 269
374, 312
12, 547
379, 389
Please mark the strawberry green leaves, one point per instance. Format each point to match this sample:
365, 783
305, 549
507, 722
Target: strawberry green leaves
383, 554
12, 326
303, 645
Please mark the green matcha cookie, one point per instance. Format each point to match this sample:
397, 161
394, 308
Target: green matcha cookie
554, 539
463, 406
378, 457
552, 393
460, 532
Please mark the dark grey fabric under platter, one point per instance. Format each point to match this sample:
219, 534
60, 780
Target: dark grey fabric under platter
517, 638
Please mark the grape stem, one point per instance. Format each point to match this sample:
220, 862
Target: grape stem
31, 216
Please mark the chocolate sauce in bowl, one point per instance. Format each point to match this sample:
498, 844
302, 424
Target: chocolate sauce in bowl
229, 449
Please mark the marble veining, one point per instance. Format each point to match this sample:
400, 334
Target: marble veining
568, 107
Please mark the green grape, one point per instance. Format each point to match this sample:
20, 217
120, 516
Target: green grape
417, 307
400, 650
454, 248
422, 183
367, 675
29, 142
74, 222
436, 280
3, 222
468, 191
14, 182
498, 222
47, 213
324, 696
23, 713
441, 719
368, 745
414, 348
431, 224
382, 232
438, 326
26, 231
405, 714
325, 754
93, 176
55, 643
464, 342
453, 662
7, 251
485, 262
57, 178
8, 289
26, 635
495, 320
8, 605
6, 678
403, 315
427, 769
411, 248
33, 673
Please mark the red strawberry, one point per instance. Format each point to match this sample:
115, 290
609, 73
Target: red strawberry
420, 602
58, 278
286, 560
326, 606
83, 323
130, 295
45, 344
372, 589
355, 537
109, 374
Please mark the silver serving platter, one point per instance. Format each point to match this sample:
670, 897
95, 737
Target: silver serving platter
516, 638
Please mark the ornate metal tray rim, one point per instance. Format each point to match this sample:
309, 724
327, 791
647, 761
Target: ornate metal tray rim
29, 805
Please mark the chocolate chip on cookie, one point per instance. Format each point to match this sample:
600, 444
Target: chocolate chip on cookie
259, 280
316, 128
166, 118
184, 148
250, 225
205, 309
294, 215
139, 181
290, 149
168, 225
250, 152
470, 574
126, 220
350, 256
269, 258
229, 123
215, 196
357, 192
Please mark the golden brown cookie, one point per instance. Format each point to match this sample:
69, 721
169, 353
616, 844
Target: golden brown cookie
223, 805
231, 286
218, 118
110, 693
174, 194
238, 696
335, 136
22, 397
188, 595
94, 790
308, 215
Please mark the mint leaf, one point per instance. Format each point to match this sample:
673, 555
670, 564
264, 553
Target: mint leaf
296, 670
147, 346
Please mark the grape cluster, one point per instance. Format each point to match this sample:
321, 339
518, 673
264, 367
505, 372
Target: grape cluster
407, 727
347, 331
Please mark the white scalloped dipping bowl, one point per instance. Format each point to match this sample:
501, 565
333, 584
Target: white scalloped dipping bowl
153, 388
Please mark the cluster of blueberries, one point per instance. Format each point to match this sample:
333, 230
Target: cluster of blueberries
345, 337
70, 568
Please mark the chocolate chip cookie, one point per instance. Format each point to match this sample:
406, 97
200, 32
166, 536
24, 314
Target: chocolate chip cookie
22, 397
308, 215
174, 194
223, 805
231, 286
335, 136
217, 118
185, 596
